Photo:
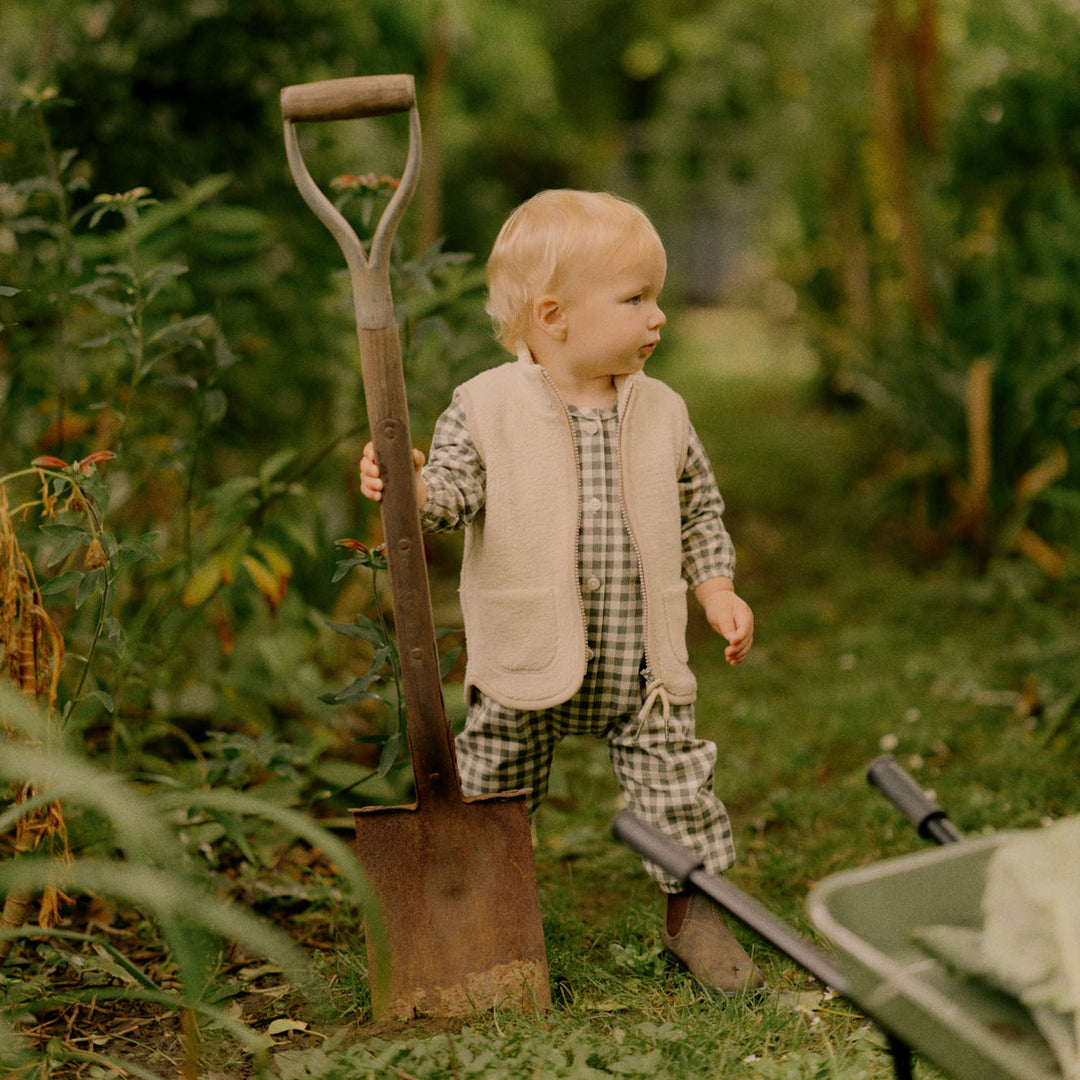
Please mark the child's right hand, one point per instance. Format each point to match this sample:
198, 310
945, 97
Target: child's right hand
371, 482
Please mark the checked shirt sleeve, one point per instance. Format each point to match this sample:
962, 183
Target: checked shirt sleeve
454, 475
707, 550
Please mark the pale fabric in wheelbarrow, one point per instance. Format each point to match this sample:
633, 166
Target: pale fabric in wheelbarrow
664, 770
1029, 944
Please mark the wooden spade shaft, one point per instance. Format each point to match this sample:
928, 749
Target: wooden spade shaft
454, 876
430, 738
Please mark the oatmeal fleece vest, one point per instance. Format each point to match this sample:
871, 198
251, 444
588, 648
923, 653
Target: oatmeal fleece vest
520, 579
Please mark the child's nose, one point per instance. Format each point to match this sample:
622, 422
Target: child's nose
658, 317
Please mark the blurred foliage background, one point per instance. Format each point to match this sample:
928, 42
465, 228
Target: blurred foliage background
896, 179
886, 190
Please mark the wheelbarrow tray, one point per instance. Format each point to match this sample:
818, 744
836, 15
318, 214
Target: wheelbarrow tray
969, 1030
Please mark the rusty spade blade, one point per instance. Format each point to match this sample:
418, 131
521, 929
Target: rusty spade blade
454, 876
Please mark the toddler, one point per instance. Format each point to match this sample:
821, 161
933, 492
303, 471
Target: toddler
589, 509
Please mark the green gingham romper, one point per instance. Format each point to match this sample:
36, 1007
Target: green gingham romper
664, 770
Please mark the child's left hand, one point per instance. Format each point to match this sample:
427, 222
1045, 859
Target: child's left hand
729, 615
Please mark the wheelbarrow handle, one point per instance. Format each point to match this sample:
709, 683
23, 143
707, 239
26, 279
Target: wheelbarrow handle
348, 99
690, 872
904, 793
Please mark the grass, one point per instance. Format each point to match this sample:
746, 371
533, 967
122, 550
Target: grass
858, 649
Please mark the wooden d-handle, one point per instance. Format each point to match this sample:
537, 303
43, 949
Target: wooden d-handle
348, 99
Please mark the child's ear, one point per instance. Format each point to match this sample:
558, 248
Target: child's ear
549, 317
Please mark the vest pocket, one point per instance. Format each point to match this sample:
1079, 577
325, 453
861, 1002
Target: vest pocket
675, 610
513, 629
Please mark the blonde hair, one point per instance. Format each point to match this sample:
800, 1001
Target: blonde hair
549, 241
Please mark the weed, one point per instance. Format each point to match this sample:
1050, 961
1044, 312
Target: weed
154, 874
384, 666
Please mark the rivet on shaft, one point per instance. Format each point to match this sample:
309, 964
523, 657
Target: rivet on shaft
417, 654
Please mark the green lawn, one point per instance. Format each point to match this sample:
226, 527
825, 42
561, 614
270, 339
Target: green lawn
858, 650
970, 682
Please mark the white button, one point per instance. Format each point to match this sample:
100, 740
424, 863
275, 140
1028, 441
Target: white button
595, 505
592, 584
592, 427
589, 654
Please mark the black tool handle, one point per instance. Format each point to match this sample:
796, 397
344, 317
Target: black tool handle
689, 870
931, 822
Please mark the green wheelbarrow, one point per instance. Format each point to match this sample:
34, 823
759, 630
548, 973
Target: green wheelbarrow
967, 1029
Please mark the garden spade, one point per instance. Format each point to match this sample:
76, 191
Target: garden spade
454, 876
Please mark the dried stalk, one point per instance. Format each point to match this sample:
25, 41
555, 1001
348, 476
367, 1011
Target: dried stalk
31, 654
979, 408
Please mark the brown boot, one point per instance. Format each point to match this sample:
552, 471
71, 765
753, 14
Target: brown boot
704, 944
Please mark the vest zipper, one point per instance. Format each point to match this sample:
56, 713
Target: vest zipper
623, 412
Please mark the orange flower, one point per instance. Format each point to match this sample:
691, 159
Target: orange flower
373, 558
98, 456
95, 556
367, 182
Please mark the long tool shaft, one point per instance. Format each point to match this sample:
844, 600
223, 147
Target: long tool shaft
430, 738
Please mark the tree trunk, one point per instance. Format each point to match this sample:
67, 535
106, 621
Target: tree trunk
926, 66
847, 217
887, 48
431, 105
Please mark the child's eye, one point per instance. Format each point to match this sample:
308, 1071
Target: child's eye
635, 299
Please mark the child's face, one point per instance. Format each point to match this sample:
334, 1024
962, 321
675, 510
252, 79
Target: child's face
613, 319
